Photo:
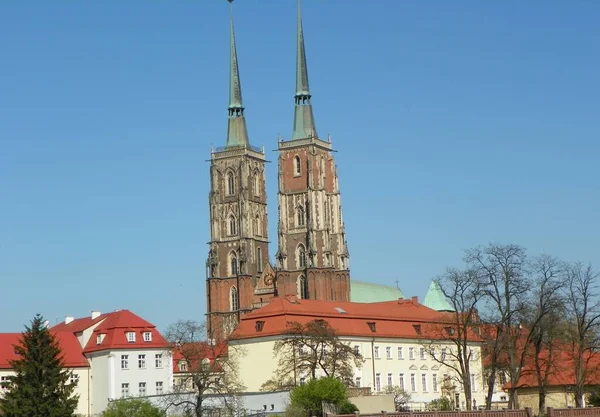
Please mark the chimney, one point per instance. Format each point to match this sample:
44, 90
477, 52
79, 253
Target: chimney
95, 314
414, 299
69, 319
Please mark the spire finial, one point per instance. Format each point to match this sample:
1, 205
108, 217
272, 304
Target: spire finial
237, 134
304, 123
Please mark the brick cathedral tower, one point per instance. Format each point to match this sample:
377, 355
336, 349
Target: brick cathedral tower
312, 256
238, 217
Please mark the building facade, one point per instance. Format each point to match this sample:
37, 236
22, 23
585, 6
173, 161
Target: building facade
312, 259
391, 337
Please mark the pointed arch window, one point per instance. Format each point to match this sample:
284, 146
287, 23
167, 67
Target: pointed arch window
259, 266
231, 227
302, 287
257, 226
256, 184
234, 301
297, 166
300, 216
230, 183
233, 264
301, 256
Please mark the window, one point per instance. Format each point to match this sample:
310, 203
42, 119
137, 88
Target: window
471, 357
356, 349
142, 389
400, 353
401, 381
142, 361
390, 380
130, 337
302, 287
300, 215
411, 353
74, 379
301, 256
443, 357
376, 352
233, 299
424, 382
434, 382
378, 382
422, 353
297, 166
413, 383
182, 366
502, 378
99, 339
124, 361
125, 390
473, 383
302, 380
158, 360
388, 352
232, 226
159, 387
256, 184
357, 381
259, 267
233, 262
230, 183
147, 336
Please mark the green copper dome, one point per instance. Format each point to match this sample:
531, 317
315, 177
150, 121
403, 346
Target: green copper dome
435, 298
367, 292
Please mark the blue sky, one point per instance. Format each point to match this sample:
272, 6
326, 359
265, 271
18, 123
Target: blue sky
457, 124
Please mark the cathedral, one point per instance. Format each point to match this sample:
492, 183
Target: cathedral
311, 261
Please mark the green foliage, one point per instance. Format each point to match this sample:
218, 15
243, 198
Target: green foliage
594, 399
311, 395
295, 411
41, 386
346, 407
440, 404
401, 397
134, 407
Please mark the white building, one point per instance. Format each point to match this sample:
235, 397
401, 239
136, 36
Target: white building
393, 338
112, 356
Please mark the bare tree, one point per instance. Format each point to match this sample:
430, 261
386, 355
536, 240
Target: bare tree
507, 287
311, 349
463, 289
543, 319
583, 308
208, 377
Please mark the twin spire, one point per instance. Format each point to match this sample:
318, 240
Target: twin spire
304, 124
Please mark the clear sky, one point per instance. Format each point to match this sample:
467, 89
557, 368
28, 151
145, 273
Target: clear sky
457, 123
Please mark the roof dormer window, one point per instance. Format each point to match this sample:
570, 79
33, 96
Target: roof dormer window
147, 336
372, 326
100, 339
130, 337
259, 325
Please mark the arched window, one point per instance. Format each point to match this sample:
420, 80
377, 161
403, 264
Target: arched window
232, 226
234, 302
230, 183
256, 184
302, 287
233, 264
257, 226
297, 167
300, 216
301, 256
259, 267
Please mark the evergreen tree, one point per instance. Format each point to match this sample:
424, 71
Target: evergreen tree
40, 386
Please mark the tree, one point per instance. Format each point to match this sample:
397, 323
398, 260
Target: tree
40, 386
210, 371
311, 395
133, 407
463, 289
507, 287
311, 349
440, 404
401, 397
583, 309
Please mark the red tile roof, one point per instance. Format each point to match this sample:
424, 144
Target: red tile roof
394, 319
72, 354
115, 327
79, 325
195, 352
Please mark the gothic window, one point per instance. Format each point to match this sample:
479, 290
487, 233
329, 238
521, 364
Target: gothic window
302, 287
230, 183
256, 184
300, 216
297, 167
257, 226
234, 302
259, 267
301, 256
232, 226
233, 264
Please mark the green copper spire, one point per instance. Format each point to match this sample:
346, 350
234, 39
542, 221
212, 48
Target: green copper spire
435, 298
237, 134
304, 122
